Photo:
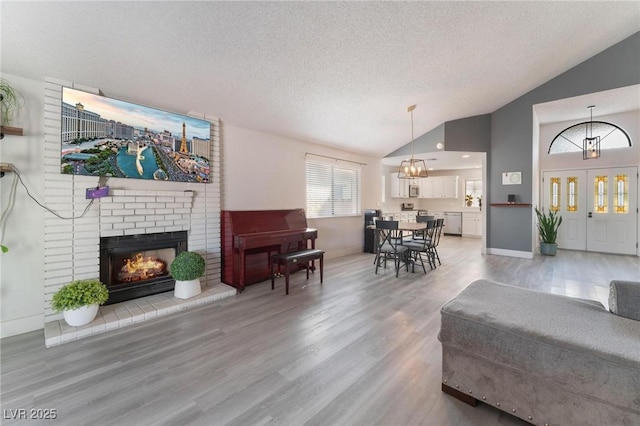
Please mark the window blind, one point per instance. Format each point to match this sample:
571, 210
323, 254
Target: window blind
332, 189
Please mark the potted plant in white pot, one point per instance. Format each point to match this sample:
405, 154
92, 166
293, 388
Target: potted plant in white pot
186, 269
79, 300
548, 224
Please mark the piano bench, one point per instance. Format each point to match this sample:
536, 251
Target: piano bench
293, 259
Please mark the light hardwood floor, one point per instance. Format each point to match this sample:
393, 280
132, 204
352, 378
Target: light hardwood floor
361, 349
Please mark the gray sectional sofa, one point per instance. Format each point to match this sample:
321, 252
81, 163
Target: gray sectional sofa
545, 358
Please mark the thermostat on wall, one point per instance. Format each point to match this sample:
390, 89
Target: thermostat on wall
511, 178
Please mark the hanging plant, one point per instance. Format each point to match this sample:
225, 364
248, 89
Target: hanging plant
8, 102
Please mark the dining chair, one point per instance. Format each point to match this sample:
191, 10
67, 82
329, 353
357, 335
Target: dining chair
422, 246
436, 239
420, 235
390, 245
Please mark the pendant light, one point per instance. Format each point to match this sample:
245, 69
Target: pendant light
590, 145
414, 168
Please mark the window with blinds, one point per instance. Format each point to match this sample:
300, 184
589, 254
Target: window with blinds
332, 189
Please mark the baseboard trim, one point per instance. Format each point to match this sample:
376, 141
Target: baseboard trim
510, 253
332, 254
21, 325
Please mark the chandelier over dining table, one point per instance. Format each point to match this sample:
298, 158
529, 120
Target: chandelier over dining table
413, 168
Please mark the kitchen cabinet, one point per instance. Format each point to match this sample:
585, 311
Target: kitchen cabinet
409, 216
449, 186
399, 188
404, 216
439, 187
471, 224
426, 188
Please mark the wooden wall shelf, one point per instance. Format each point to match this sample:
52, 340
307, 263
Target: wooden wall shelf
511, 204
15, 131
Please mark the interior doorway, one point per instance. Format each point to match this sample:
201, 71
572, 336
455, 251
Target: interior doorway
599, 208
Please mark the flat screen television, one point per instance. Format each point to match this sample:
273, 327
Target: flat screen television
103, 136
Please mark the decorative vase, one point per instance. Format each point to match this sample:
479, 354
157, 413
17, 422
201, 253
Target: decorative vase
187, 289
469, 203
81, 316
548, 249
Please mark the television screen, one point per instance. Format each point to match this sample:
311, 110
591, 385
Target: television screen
107, 137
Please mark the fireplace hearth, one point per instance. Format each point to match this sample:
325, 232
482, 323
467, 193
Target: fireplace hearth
134, 266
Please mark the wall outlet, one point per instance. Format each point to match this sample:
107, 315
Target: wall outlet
98, 192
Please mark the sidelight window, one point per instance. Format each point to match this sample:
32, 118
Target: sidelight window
572, 194
555, 194
600, 194
621, 194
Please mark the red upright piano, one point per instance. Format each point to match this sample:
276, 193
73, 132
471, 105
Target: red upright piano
250, 237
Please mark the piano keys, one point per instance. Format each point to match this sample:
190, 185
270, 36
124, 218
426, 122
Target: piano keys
249, 238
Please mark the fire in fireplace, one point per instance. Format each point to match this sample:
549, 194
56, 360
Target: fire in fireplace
140, 268
137, 265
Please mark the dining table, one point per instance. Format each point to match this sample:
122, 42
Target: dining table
403, 227
406, 226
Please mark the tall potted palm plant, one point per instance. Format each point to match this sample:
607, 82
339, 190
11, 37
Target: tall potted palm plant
548, 224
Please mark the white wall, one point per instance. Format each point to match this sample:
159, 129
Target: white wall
21, 269
262, 171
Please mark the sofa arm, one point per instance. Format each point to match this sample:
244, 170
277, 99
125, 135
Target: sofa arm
624, 298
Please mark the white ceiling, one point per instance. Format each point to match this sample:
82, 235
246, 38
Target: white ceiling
336, 73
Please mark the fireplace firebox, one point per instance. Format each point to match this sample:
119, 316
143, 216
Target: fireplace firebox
134, 266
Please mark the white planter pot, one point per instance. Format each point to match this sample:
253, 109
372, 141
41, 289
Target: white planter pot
81, 316
187, 289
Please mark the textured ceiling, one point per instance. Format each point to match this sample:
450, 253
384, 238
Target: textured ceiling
336, 73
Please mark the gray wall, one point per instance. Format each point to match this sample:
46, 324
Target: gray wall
512, 137
471, 134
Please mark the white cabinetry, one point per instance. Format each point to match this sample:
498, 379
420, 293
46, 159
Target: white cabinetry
399, 187
471, 224
410, 216
405, 216
439, 187
426, 188
449, 187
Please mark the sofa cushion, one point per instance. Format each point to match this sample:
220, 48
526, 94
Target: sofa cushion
574, 343
624, 299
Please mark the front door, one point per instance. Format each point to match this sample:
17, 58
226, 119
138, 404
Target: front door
565, 193
612, 216
598, 208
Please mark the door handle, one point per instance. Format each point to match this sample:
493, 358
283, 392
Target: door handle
590, 215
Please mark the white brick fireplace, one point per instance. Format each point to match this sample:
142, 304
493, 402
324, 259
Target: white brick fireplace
133, 207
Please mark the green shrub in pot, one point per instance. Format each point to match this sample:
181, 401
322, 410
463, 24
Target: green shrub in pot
187, 266
79, 301
79, 293
186, 269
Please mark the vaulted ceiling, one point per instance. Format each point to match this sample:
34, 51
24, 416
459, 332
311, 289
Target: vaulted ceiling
336, 73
